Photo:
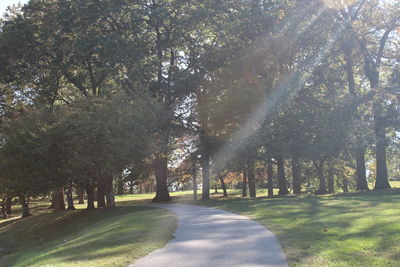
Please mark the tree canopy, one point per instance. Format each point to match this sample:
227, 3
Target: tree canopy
106, 95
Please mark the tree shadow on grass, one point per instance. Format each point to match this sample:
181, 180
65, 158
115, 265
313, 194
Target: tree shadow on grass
88, 234
310, 226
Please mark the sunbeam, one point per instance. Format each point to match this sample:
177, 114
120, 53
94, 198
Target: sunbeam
281, 94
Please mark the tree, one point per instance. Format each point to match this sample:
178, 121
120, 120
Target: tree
27, 156
373, 44
121, 127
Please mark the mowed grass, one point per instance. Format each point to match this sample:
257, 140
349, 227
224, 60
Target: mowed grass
102, 237
183, 196
355, 229
395, 184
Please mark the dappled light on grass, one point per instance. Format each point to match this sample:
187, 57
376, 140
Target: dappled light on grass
182, 196
89, 238
358, 229
338, 230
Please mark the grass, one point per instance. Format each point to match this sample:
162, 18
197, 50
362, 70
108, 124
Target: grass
395, 184
354, 229
135, 199
103, 237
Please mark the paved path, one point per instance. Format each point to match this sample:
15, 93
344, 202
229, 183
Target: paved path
212, 237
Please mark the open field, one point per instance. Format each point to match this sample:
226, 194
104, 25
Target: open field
41, 206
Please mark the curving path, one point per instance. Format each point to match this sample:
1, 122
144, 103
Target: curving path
212, 237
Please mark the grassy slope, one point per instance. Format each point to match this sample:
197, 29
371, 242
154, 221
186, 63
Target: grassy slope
344, 230
85, 238
355, 229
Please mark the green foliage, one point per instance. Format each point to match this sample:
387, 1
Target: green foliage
105, 88
105, 136
26, 154
91, 138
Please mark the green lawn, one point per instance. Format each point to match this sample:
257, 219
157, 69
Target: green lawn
137, 199
395, 184
102, 237
183, 196
354, 229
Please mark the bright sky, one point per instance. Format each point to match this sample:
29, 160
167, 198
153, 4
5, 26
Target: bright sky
5, 3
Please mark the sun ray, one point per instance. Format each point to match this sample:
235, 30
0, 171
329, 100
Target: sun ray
282, 94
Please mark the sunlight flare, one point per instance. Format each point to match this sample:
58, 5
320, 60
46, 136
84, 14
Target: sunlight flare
338, 4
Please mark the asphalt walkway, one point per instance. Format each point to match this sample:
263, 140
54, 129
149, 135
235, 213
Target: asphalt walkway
212, 237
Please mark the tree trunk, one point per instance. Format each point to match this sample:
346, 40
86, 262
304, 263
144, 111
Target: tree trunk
372, 69
8, 205
101, 202
81, 195
131, 188
95, 194
70, 199
283, 190
331, 180
205, 165
270, 181
58, 200
161, 171
361, 176
90, 196
194, 177
110, 196
347, 49
251, 177
3, 209
244, 184
320, 172
382, 181
120, 186
345, 186
221, 179
25, 206
296, 173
